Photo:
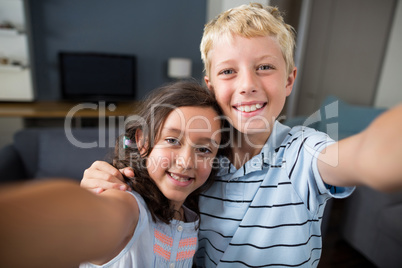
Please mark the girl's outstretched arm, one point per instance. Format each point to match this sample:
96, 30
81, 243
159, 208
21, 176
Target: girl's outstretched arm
56, 223
372, 157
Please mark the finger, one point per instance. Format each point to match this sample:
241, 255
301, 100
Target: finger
94, 179
95, 190
98, 190
104, 170
128, 172
99, 186
107, 168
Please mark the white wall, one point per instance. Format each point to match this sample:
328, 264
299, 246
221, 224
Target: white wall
214, 7
389, 91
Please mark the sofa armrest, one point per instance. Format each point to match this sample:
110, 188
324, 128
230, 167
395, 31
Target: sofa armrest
364, 225
11, 166
390, 222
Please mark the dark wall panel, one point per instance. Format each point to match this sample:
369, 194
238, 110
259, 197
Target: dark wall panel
152, 30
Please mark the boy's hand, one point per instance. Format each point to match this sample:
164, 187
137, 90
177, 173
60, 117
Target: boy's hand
102, 176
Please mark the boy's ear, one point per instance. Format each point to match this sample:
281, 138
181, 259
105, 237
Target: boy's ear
290, 81
208, 83
140, 141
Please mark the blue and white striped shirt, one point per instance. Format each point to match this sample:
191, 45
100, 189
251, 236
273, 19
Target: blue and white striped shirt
268, 213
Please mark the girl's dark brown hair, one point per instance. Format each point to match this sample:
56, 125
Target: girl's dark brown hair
150, 118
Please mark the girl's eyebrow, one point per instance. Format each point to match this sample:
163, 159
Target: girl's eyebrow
180, 132
209, 140
175, 130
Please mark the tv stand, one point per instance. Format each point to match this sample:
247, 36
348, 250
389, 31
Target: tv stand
54, 113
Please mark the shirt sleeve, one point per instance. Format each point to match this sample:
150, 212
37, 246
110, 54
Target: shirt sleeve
330, 190
302, 150
143, 219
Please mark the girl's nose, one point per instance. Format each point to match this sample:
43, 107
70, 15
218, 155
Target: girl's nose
185, 160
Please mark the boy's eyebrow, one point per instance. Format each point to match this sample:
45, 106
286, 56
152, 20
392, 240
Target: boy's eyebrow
267, 56
263, 57
218, 64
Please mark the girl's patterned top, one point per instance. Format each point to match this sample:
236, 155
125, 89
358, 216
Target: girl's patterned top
157, 244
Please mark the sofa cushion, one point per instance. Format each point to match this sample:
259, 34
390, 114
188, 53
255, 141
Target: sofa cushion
390, 222
340, 119
337, 118
11, 165
65, 154
26, 143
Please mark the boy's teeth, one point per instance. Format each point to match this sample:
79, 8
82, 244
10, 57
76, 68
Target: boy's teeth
177, 178
249, 108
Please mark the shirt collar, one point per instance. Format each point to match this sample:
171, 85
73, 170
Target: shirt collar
263, 160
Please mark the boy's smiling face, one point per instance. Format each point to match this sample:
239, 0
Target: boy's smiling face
249, 78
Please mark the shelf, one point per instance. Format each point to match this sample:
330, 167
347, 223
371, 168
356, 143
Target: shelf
10, 32
12, 68
15, 68
60, 109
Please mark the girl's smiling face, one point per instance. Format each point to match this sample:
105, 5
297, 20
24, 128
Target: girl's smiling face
181, 159
250, 82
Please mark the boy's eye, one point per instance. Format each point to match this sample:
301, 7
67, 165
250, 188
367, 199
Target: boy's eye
265, 67
172, 141
227, 71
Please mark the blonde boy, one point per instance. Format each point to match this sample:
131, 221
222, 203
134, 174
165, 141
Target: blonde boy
266, 204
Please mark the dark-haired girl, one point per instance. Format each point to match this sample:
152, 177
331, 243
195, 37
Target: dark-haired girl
171, 145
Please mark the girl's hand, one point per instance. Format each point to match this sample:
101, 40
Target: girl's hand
102, 176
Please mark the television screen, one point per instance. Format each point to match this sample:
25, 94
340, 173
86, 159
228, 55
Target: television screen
97, 76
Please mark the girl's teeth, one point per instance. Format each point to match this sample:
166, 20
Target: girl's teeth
177, 178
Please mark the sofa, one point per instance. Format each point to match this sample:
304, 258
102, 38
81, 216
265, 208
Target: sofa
371, 220
38, 153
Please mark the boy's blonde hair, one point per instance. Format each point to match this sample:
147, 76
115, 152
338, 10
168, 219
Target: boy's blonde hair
253, 20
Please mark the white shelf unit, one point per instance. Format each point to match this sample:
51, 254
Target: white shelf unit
15, 79
9, 32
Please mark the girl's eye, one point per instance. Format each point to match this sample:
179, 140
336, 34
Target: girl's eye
265, 67
204, 150
172, 141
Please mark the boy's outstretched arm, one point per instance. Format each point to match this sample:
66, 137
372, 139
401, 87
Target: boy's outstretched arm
56, 223
372, 157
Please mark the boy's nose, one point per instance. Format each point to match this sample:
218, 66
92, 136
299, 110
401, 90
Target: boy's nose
248, 83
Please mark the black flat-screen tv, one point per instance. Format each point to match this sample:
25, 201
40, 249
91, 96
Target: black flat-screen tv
97, 76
